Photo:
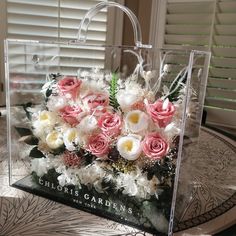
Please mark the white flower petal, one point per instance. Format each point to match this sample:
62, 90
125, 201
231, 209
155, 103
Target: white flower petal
71, 138
129, 147
40, 166
54, 140
88, 124
136, 121
165, 104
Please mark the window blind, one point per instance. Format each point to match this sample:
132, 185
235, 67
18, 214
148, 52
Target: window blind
208, 25
55, 20
221, 91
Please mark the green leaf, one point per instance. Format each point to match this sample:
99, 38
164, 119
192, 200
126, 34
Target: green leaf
48, 93
29, 139
35, 153
54, 76
28, 114
23, 131
58, 150
113, 91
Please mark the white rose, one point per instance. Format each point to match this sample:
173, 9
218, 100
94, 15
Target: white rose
54, 140
71, 138
129, 147
136, 121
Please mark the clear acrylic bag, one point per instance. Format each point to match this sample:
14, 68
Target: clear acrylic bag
106, 139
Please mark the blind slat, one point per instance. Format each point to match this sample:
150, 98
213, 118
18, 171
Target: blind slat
225, 40
32, 9
220, 103
223, 62
22, 20
224, 52
222, 93
188, 29
220, 116
186, 39
222, 72
226, 18
221, 83
186, 19
194, 7
228, 7
225, 30
35, 3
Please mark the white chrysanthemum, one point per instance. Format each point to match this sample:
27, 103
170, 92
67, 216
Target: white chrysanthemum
88, 124
136, 121
71, 138
54, 139
40, 166
129, 147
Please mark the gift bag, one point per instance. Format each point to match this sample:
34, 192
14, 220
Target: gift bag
107, 135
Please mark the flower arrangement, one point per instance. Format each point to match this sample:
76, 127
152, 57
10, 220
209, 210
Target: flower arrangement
105, 131
109, 135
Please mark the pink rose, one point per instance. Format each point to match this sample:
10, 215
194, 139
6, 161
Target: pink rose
71, 114
161, 112
154, 146
97, 102
98, 145
110, 124
70, 85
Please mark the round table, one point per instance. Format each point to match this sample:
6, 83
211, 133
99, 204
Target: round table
209, 203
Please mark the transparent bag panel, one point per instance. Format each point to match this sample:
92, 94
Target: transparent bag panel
134, 186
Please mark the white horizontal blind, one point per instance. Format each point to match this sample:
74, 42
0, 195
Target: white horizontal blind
208, 25
55, 20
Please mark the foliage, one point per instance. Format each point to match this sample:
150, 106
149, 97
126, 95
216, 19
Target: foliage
113, 91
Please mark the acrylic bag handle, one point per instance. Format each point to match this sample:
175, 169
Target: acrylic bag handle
83, 26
